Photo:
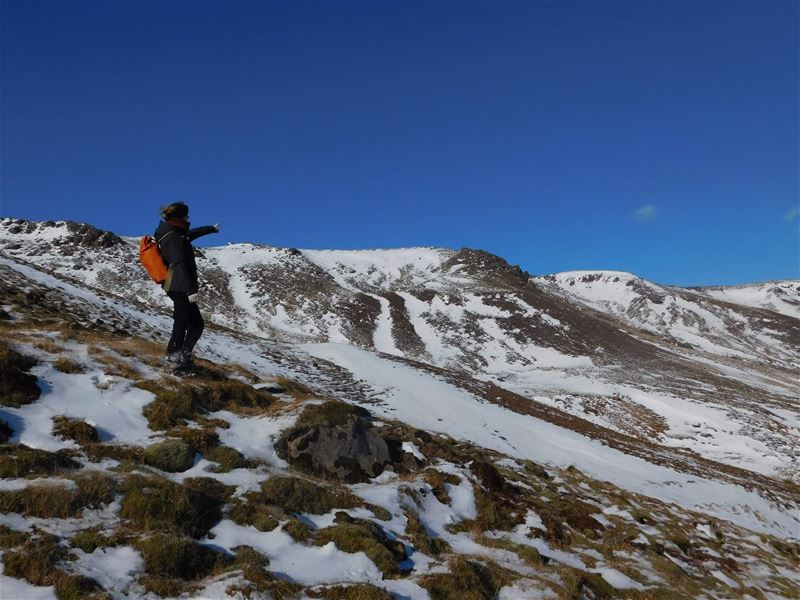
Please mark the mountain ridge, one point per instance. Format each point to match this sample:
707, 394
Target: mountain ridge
647, 418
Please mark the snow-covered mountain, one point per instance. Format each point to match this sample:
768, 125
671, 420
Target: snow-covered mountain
641, 344
780, 296
686, 397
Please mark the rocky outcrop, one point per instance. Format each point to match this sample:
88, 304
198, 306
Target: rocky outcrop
337, 440
486, 266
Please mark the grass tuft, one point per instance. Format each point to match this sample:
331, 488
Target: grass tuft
232, 395
74, 429
421, 539
167, 555
10, 538
330, 414
356, 591
169, 409
356, 535
228, 459
36, 561
261, 583
437, 480
17, 386
155, 504
294, 388
90, 540
468, 580
66, 365
298, 530
120, 452
17, 460
255, 514
50, 500
296, 495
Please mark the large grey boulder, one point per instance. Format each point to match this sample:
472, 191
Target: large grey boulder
337, 440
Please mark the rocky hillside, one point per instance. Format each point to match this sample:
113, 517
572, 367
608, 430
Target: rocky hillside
423, 422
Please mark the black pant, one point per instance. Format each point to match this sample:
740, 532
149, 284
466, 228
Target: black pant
187, 324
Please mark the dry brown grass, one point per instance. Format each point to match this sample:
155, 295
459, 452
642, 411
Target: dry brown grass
114, 365
169, 555
243, 372
294, 388
43, 500
420, 539
10, 538
89, 540
356, 591
260, 516
155, 504
37, 562
170, 408
136, 347
46, 344
75, 429
437, 480
69, 366
468, 580
260, 582
125, 454
18, 460
296, 495
17, 386
51, 500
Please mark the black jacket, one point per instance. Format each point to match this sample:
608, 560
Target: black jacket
175, 245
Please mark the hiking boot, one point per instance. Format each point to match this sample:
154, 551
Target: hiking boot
174, 358
186, 359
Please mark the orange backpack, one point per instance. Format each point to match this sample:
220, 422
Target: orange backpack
150, 257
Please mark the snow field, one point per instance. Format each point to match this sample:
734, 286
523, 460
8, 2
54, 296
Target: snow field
423, 401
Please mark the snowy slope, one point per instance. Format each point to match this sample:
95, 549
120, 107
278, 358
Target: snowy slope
529, 396
780, 296
667, 365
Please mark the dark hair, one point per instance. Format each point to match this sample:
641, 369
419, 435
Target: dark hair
176, 209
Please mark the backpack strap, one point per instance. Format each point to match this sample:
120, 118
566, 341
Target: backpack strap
163, 236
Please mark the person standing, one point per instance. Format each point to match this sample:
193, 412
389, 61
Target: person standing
174, 239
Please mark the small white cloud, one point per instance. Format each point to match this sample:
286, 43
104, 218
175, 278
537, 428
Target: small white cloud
645, 213
792, 214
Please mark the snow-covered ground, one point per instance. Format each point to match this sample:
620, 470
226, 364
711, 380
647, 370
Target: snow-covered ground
423, 401
453, 327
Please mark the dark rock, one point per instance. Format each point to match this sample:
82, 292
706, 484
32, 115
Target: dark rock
90, 236
488, 475
17, 386
173, 456
273, 389
486, 265
5, 432
337, 440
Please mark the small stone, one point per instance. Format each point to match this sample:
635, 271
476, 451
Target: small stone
173, 456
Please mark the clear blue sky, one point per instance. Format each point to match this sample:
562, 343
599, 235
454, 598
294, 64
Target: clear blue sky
654, 137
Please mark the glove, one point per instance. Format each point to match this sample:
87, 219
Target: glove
193, 298
216, 226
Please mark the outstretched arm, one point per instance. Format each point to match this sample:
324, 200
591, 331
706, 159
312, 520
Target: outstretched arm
201, 231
